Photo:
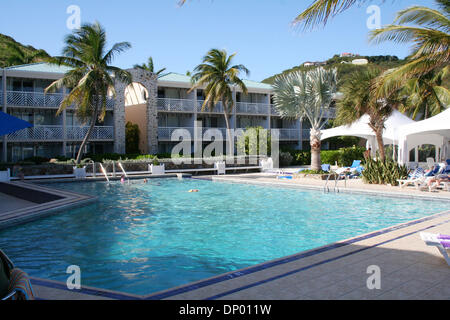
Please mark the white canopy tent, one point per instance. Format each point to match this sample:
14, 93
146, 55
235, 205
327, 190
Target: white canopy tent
434, 131
361, 129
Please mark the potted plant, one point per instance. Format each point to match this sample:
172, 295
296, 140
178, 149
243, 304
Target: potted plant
4, 175
157, 168
79, 171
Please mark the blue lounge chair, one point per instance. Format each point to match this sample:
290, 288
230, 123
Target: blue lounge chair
326, 167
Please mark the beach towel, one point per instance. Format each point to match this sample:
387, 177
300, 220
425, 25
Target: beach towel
20, 283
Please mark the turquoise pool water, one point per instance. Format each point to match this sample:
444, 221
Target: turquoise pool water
142, 238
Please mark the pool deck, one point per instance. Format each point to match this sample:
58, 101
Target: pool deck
409, 269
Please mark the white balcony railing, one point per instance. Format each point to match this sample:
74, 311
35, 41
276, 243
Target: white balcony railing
177, 105
38, 133
165, 133
77, 133
218, 108
330, 113
252, 108
289, 134
41, 100
56, 133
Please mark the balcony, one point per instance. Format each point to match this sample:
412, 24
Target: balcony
218, 108
175, 105
38, 133
98, 133
56, 134
289, 134
252, 108
165, 133
41, 100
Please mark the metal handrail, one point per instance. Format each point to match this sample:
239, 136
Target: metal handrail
104, 172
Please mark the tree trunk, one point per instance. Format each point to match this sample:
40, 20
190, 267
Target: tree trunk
380, 143
86, 138
315, 149
228, 133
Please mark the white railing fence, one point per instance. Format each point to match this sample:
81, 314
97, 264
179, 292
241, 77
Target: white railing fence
40, 99
182, 105
56, 133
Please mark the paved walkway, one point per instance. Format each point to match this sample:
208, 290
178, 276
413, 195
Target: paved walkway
9, 203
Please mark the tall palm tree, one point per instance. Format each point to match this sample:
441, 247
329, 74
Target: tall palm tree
425, 96
359, 99
150, 67
431, 46
307, 94
20, 56
217, 75
91, 77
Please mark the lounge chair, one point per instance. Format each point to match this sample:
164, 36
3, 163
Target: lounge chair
14, 283
430, 163
442, 242
413, 177
354, 168
423, 183
326, 167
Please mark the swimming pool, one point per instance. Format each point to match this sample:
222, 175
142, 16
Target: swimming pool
142, 238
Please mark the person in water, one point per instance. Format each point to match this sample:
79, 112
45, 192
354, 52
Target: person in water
122, 179
193, 190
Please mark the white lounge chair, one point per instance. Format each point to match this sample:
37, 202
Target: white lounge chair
430, 163
417, 175
442, 242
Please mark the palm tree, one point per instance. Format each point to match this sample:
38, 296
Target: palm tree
150, 67
91, 78
359, 99
217, 75
425, 96
19, 56
307, 94
431, 49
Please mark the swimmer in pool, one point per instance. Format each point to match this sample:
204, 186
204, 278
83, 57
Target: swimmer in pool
193, 190
145, 181
122, 179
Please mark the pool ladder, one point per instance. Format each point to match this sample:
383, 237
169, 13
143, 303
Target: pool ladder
123, 171
326, 189
104, 172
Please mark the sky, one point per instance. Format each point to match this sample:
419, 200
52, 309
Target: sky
259, 31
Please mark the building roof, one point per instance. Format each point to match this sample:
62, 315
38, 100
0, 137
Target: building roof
176, 77
169, 77
40, 67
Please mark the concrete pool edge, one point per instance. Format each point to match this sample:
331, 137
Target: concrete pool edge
67, 200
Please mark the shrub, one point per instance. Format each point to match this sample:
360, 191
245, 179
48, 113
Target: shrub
347, 155
247, 142
285, 159
330, 156
131, 138
37, 160
383, 172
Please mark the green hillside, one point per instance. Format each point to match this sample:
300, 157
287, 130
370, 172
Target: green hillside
345, 67
6, 51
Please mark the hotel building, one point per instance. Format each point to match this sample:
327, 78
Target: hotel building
158, 105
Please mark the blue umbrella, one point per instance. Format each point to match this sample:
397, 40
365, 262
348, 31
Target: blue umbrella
10, 124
